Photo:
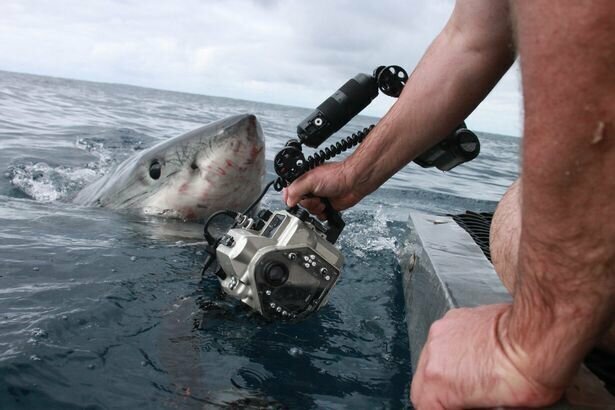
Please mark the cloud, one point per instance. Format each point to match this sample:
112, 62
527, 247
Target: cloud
290, 52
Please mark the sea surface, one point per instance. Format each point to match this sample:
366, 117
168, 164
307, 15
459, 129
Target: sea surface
104, 309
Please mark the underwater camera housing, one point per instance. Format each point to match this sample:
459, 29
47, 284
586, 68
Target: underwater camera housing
283, 264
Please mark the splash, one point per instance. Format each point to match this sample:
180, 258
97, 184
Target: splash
367, 231
45, 183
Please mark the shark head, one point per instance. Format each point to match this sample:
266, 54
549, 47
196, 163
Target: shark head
218, 166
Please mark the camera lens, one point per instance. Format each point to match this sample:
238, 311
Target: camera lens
276, 274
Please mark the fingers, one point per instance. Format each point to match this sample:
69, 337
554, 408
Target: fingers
300, 189
417, 380
420, 395
324, 181
314, 205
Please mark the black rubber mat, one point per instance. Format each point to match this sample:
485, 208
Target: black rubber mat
603, 366
477, 225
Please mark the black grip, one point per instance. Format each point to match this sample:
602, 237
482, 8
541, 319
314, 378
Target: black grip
334, 220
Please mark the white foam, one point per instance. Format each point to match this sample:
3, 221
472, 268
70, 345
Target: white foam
374, 236
47, 184
105, 159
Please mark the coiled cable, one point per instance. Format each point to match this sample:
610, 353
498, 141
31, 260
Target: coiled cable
335, 149
323, 155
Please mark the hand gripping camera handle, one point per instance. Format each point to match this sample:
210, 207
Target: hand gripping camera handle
334, 220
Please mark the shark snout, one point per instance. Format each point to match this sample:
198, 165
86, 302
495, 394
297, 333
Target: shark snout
249, 127
235, 158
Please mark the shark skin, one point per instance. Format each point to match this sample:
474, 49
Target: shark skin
218, 166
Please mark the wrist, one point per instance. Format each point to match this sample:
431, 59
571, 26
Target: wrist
358, 177
545, 340
528, 364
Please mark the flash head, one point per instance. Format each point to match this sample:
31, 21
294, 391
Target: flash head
349, 100
462, 145
337, 110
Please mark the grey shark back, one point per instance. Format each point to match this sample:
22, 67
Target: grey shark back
218, 166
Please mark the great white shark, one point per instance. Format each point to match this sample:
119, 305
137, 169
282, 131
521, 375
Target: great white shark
218, 166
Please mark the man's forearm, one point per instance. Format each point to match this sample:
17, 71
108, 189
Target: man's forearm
565, 295
457, 72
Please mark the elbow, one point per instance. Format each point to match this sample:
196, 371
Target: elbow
490, 47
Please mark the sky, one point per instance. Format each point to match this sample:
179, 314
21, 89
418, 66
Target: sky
288, 52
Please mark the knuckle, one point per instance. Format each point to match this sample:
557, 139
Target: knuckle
435, 330
431, 370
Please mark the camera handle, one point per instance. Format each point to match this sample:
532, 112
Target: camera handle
334, 220
290, 163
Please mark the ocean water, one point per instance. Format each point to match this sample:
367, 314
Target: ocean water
102, 309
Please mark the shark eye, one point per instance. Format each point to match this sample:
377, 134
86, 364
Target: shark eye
155, 169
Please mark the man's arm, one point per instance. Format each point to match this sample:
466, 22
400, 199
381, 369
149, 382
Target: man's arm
458, 70
525, 354
565, 295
